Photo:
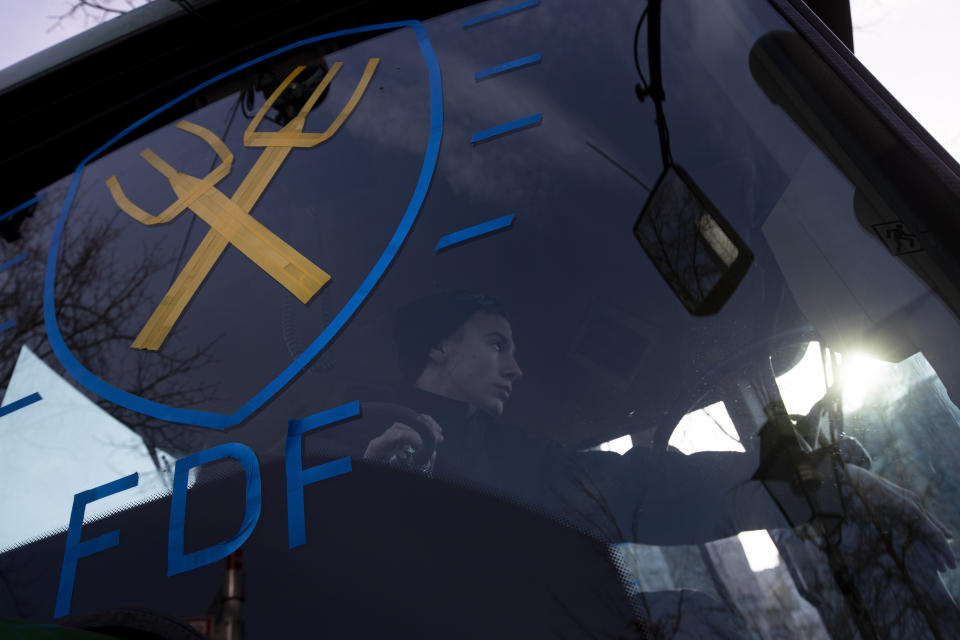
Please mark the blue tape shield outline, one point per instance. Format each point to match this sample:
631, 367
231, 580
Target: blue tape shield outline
221, 421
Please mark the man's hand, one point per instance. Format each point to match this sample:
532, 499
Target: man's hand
400, 441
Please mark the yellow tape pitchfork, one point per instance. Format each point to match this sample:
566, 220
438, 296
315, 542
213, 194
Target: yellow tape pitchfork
229, 218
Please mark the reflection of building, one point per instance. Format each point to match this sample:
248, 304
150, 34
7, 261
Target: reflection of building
62, 445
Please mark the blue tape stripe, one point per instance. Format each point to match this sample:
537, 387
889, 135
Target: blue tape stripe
9, 263
298, 477
221, 421
508, 66
9, 324
75, 548
475, 231
178, 560
344, 411
502, 12
19, 404
507, 128
21, 207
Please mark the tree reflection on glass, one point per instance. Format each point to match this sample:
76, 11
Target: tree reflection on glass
94, 298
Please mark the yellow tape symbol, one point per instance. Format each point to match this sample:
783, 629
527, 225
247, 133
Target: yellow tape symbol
229, 218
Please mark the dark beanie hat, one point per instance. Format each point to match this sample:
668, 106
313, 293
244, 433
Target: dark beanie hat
426, 322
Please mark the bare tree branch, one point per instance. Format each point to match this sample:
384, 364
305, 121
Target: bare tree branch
93, 11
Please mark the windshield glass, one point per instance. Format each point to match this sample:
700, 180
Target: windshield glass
624, 324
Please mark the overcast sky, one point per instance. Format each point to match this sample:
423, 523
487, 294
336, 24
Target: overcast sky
28, 26
910, 45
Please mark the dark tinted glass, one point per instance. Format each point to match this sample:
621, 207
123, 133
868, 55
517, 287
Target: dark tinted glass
526, 430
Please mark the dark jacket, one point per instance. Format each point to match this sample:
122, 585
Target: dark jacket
642, 496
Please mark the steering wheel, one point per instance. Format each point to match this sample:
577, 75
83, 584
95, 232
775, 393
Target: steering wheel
724, 369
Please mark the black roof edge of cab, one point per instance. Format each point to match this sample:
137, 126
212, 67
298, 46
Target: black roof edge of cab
64, 111
931, 177
859, 78
62, 105
836, 15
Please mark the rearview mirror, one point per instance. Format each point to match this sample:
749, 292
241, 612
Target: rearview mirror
695, 249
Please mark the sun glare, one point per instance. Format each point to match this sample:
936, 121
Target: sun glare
804, 384
860, 375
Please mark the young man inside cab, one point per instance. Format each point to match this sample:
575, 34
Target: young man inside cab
459, 352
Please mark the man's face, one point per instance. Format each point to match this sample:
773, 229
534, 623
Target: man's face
478, 364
